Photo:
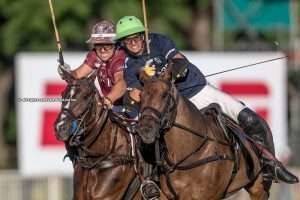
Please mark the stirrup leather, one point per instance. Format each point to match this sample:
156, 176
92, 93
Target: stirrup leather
270, 171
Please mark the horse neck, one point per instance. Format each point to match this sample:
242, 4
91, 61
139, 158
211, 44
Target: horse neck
191, 117
189, 113
104, 134
99, 124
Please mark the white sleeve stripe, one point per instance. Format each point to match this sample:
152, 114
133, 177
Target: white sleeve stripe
125, 63
169, 52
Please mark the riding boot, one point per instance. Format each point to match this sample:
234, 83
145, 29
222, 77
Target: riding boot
255, 127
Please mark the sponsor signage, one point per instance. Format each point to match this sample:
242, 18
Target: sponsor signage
261, 87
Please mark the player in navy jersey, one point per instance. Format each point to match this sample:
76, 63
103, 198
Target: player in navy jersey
191, 84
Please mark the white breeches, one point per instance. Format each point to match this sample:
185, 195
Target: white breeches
210, 94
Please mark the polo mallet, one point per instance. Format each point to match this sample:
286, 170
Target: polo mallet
146, 26
244, 66
59, 47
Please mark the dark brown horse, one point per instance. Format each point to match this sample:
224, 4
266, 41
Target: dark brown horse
99, 149
199, 158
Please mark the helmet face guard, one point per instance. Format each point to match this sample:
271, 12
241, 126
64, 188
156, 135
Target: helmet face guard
103, 32
128, 25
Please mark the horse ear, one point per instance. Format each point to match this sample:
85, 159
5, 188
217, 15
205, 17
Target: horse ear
166, 75
143, 76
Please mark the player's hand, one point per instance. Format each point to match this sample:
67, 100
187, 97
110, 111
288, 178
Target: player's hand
63, 70
108, 102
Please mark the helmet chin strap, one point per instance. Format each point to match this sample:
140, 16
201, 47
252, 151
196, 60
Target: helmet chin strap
143, 49
109, 57
139, 53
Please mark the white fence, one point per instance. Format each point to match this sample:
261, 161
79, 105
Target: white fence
15, 187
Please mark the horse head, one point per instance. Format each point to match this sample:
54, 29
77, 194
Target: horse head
77, 97
158, 105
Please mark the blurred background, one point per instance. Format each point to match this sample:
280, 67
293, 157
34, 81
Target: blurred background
210, 26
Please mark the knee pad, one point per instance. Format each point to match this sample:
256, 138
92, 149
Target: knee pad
257, 128
252, 124
248, 118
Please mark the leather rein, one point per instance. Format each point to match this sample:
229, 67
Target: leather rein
89, 127
167, 120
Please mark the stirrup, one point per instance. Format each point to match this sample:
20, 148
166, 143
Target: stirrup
270, 171
152, 196
277, 173
268, 176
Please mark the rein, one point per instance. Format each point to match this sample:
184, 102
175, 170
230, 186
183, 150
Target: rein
171, 111
204, 136
167, 119
80, 128
87, 133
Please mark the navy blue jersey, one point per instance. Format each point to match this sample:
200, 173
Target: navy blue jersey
162, 49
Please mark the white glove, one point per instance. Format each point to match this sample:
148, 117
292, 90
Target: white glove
63, 70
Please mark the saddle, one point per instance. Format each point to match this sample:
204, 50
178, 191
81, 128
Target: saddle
242, 146
241, 143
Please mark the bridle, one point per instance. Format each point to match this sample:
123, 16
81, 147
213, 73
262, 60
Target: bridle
92, 116
166, 117
78, 123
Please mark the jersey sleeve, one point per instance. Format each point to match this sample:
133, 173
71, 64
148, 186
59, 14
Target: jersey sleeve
91, 59
167, 47
131, 76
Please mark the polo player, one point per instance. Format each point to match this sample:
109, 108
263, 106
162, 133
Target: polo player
107, 59
191, 84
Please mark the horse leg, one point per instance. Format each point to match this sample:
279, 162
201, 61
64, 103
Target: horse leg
79, 183
259, 190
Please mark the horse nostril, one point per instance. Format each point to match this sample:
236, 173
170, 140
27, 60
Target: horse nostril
61, 130
138, 128
146, 133
57, 128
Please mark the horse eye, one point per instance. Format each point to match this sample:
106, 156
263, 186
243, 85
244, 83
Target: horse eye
164, 95
86, 97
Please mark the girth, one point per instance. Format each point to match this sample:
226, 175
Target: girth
107, 163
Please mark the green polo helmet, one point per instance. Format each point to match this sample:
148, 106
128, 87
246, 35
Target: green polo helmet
129, 25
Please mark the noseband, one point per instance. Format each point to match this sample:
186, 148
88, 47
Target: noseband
166, 118
78, 122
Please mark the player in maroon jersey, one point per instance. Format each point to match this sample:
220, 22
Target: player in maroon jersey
107, 59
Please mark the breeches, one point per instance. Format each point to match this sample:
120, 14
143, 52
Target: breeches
210, 94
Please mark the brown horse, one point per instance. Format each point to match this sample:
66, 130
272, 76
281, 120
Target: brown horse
198, 154
100, 150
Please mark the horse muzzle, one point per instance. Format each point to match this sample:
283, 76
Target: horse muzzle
62, 130
148, 131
